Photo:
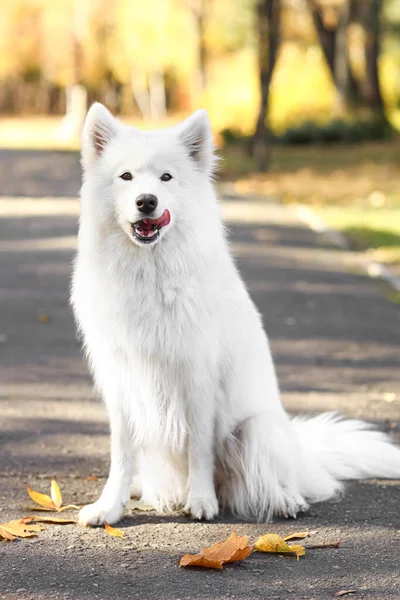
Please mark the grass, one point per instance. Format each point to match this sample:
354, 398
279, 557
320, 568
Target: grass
375, 230
354, 188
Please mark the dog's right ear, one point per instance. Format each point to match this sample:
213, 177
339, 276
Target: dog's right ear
99, 129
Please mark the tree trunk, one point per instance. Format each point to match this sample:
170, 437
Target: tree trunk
328, 38
158, 109
268, 24
371, 22
341, 67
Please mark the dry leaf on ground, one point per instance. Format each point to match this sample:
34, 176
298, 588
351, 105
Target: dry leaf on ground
112, 531
56, 494
275, 544
324, 545
21, 528
344, 593
298, 535
47, 503
92, 478
139, 505
234, 548
52, 520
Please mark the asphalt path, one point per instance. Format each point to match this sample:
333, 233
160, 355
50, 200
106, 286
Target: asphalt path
335, 338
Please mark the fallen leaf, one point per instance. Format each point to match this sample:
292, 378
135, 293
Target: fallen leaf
43, 318
275, 544
344, 593
41, 499
234, 548
92, 478
112, 531
55, 494
327, 545
54, 520
40, 508
299, 535
139, 505
19, 528
4, 535
49, 504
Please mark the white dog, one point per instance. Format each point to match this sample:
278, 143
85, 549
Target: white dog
177, 348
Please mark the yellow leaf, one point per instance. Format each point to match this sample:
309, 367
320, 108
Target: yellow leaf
273, 543
41, 508
55, 494
68, 506
234, 548
298, 535
43, 318
112, 531
41, 499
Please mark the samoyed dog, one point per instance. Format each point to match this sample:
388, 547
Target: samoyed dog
177, 348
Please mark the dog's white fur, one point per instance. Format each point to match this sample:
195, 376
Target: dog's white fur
178, 351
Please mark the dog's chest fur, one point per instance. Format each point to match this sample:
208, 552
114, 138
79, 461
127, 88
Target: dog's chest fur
146, 319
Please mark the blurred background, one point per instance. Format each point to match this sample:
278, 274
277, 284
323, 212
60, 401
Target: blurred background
303, 95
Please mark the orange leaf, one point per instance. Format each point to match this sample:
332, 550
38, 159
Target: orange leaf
92, 478
4, 535
54, 520
298, 535
232, 549
56, 494
20, 528
112, 531
41, 499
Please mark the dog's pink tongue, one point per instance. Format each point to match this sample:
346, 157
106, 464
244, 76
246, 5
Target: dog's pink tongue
161, 221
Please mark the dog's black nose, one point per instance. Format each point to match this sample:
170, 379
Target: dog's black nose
146, 203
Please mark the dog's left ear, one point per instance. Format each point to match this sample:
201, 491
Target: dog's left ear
99, 129
195, 134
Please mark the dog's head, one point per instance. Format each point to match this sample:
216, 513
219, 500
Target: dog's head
143, 179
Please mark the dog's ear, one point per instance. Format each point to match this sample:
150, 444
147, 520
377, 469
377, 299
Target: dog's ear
196, 136
99, 129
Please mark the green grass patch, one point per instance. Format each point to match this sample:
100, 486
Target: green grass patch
374, 229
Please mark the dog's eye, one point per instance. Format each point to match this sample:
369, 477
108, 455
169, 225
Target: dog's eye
126, 176
166, 177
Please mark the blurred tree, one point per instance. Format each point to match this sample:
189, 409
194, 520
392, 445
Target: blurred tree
332, 19
76, 92
370, 17
268, 29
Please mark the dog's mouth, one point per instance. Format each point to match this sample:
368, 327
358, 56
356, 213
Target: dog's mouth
147, 230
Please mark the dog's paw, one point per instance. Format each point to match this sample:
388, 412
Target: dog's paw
202, 508
100, 512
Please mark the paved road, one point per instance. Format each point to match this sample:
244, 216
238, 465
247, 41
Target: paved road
335, 339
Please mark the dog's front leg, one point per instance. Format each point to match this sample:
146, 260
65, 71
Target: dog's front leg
109, 507
202, 502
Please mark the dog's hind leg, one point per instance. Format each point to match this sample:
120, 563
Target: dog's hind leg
258, 470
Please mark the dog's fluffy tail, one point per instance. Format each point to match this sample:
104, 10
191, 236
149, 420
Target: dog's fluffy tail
334, 449
269, 469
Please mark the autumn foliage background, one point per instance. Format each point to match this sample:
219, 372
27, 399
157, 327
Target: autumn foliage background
306, 91
149, 59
